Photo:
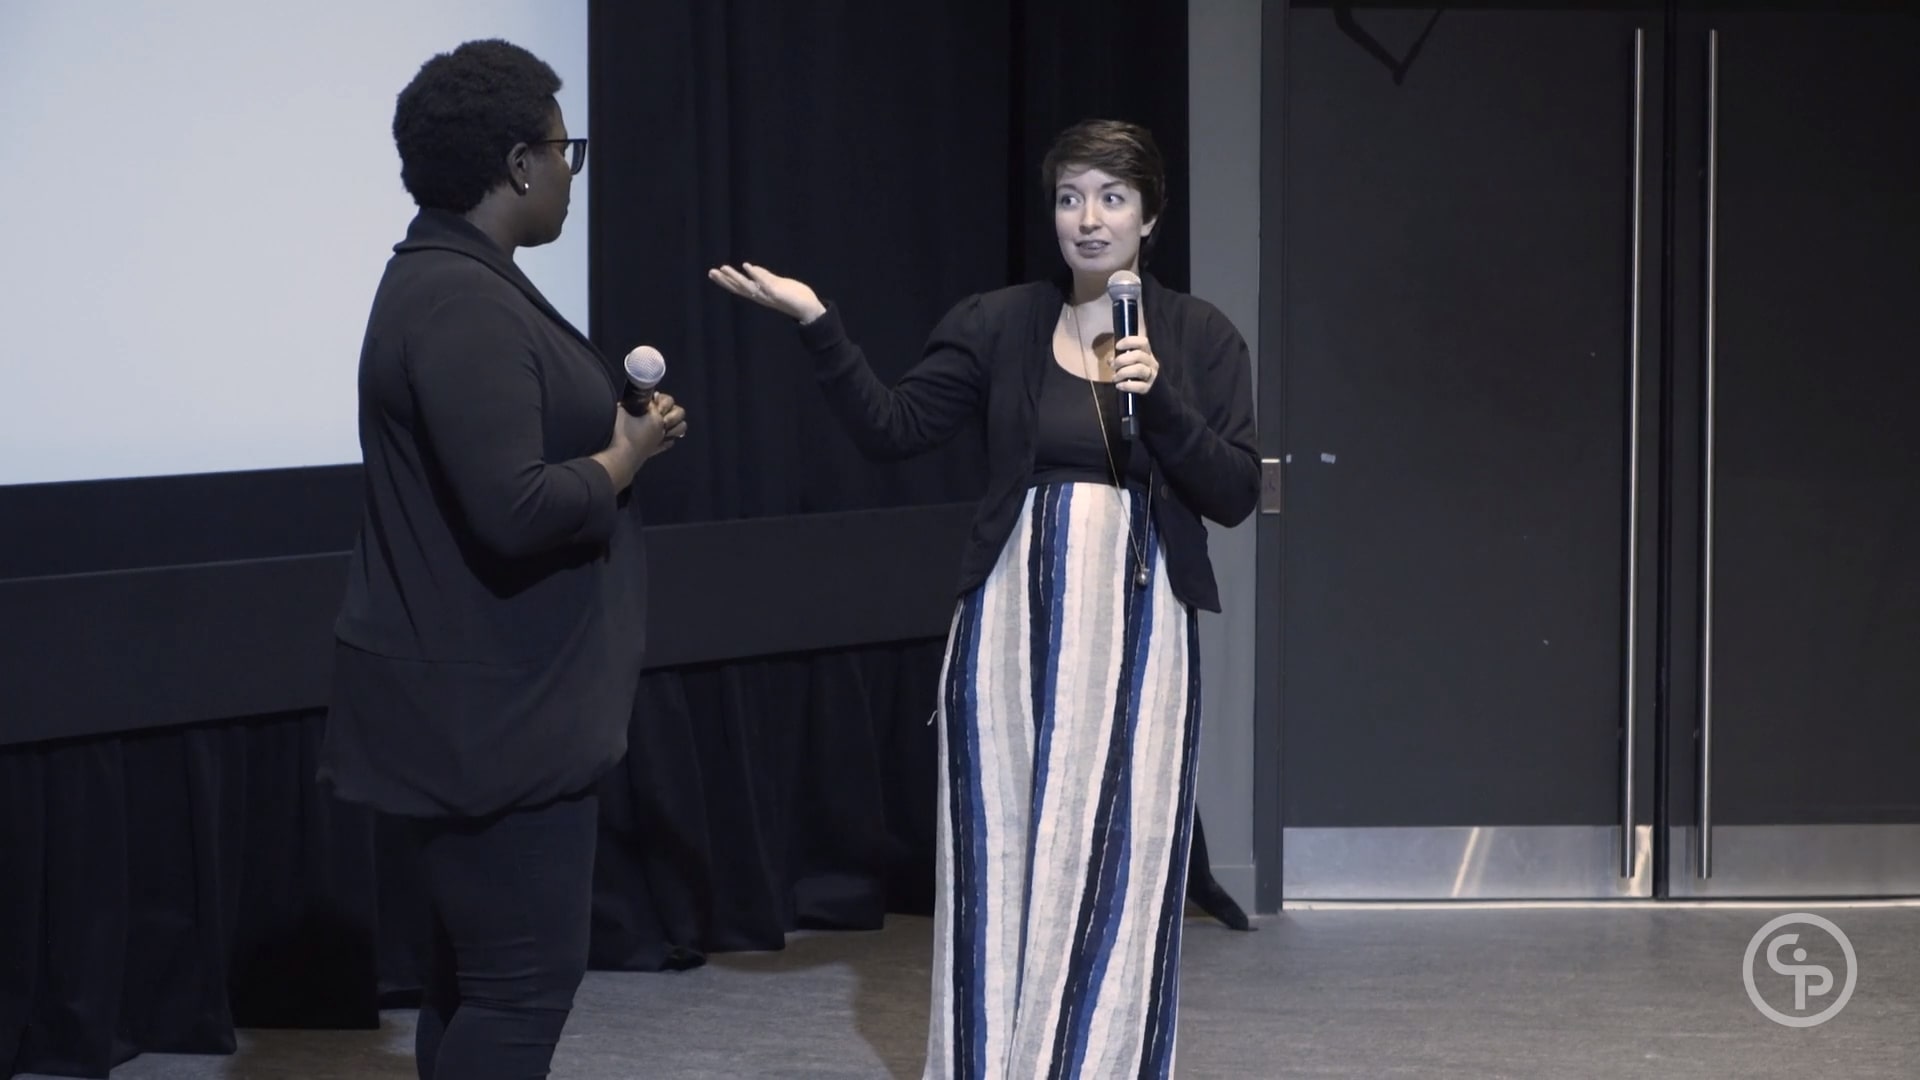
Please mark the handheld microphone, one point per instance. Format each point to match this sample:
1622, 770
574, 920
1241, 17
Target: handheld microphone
1123, 288
645, 368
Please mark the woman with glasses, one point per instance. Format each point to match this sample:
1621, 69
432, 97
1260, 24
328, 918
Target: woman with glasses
489, 643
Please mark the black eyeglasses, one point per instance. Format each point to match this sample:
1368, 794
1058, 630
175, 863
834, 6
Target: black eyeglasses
576, 151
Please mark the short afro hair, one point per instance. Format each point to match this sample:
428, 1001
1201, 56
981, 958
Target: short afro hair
461, 114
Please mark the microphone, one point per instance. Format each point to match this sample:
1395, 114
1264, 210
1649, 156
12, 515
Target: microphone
645, 368
1123, 288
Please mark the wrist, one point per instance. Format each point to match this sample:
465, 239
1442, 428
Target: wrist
621, 460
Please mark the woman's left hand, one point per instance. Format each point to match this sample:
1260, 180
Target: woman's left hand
1134, 366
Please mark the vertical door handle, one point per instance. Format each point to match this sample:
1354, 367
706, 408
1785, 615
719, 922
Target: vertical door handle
1706, 536
1629, 685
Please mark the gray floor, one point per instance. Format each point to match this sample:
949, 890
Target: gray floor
1477, 993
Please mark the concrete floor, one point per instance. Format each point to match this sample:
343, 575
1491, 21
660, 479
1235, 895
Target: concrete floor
1643, 991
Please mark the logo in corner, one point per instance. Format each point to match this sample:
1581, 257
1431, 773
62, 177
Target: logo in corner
1811, 982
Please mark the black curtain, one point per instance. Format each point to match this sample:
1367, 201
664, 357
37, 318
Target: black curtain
158, 890
886, 153
889, 155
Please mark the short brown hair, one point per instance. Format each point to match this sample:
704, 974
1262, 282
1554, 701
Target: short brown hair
1120, 149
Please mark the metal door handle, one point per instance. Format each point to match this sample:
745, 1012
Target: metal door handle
1271, 477
1628, 847
1706, 574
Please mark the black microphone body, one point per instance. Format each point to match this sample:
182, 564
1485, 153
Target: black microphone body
1123, 289
636, 401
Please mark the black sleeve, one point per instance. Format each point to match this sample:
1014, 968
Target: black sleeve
1205, 443
477, 390
929, 404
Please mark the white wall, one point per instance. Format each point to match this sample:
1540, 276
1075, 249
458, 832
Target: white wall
1224, 132
202, 196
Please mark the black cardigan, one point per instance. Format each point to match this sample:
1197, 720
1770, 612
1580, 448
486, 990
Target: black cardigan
987, 355
491, 634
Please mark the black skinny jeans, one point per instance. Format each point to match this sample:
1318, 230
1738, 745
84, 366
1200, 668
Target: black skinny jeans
511, 900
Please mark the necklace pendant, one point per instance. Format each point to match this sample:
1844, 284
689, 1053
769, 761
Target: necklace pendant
1140, 578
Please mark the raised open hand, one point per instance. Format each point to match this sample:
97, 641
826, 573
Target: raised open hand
788, 296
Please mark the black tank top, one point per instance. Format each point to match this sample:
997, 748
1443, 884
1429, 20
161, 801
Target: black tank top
1069, 446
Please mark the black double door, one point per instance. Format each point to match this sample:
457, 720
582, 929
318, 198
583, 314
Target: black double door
1600, 414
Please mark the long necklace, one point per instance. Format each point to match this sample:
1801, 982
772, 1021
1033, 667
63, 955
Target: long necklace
1140, 576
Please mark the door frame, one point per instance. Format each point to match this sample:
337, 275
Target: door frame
1269, 531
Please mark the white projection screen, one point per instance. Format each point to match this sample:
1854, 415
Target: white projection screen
203, 195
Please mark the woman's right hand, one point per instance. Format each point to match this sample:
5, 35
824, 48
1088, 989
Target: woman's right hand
788, 296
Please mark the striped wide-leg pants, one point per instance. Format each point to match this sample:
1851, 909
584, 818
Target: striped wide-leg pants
1069, 717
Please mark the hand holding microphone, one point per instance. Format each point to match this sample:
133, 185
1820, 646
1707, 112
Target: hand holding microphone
646, 423
1134, 365
645, 369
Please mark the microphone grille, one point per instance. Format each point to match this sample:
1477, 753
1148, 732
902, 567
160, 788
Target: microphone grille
646, 367
1123, 285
